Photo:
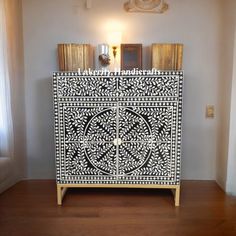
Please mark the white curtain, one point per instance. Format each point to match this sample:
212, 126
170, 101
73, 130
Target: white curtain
231, 170
6, 126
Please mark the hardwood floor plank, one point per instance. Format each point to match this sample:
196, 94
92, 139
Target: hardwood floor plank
30, 208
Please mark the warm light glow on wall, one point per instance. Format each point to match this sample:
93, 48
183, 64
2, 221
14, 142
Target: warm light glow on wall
114, 38
113, 30
114, 25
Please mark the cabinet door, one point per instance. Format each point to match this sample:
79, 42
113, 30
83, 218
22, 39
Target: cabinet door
87, 134
148, 137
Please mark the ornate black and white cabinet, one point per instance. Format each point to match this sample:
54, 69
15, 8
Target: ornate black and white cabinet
118, 131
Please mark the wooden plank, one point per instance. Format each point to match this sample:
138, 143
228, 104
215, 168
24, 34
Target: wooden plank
167, 56
73, 56
86, 56
60, 50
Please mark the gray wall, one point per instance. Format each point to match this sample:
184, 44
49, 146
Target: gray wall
195, 23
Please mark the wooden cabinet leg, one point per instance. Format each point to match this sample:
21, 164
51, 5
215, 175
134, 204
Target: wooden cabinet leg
59, 195
177, 196
61, 191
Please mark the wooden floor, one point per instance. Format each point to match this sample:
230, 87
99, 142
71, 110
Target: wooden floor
29, 209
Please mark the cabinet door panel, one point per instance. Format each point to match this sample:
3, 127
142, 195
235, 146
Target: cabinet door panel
87, 134
148, 135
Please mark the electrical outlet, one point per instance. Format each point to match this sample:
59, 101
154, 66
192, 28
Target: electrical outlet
210, 111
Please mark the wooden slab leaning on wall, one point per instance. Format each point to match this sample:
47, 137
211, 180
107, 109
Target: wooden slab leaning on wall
74, 56
167, 56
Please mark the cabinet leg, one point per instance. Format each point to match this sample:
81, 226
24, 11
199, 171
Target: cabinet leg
59, 195
61, 191
177, 196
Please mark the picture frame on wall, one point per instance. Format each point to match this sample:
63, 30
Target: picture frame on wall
131, 56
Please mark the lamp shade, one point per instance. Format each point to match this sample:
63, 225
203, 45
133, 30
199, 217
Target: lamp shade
103, 49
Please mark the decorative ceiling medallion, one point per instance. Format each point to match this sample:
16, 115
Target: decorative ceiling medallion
150, 6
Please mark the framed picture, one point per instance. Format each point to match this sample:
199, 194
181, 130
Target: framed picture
131, 56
